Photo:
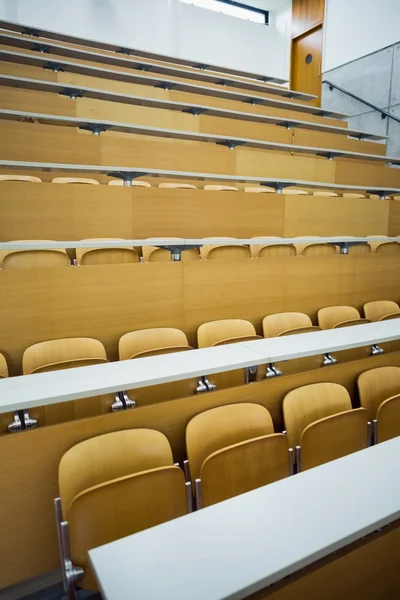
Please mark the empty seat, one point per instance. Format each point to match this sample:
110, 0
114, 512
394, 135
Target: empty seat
265, 250
59, 354
316, 249
381, 310
153, 342
3, 367
25, 259
295, 192
221, 188
29, 178
332, 317
325, 193
353, 195
291, 323
320, 420
114, 485
227, 331
233, 449
106, 256
224, 251
85, 180
135, 183
155, 254
261, 189
377, 385
381, 246
177, 186
335, 317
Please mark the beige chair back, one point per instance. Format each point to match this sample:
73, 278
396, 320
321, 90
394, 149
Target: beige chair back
281, 323
178, 186
336, 316
84, 180
388, 416
29, 178
221, 188
381, 310
160, 340
309, 403
215, 333
377, 385
106, 256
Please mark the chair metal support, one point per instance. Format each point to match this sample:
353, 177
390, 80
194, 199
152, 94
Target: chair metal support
204, 385
42, 48
189, 496
272, 371
72, 93
328, 360
198, 491
95, 128
277, 185
22, 422
250, 374
127, 176
375, 349
344, 246
186, 470
176, 250
71, 574
298, 459
291, 461
54, 66
375, 431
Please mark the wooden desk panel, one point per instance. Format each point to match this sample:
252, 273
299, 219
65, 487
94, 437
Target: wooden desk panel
335, 216
394, 217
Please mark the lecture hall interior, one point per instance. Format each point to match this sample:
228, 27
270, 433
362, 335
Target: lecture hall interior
199, 303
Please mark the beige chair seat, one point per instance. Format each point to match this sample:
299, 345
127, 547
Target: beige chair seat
85, 180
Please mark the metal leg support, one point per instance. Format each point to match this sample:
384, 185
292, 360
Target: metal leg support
71, 575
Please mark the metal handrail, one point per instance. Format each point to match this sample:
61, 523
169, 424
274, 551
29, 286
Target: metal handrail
384, 113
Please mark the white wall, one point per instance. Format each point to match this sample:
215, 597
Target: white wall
168, 27
355, 28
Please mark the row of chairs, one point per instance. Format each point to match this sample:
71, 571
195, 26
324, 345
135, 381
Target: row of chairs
23, 259
230, 450
189, 186
76, 352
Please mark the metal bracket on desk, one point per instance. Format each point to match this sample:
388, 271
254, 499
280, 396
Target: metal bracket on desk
144, 67
54, 66
30, 31
381, 193
264, 79
165, 86
287, 125
250, 374
195, 111
272, 371
95, 128
375, 349
277, 185
72, 93
22, 422
329, 154
231, 144
124, 51
176, 251
43, 48
201, 67
128, 177
224, 82
344, 246
253, 101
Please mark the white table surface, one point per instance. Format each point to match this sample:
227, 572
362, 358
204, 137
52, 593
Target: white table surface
41, 389
238, 547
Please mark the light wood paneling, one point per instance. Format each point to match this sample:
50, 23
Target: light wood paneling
36, 455
306, 63
73, 212
261, 163
335, 216
305, 137
394, 218
367, 569
349, 171
306, 14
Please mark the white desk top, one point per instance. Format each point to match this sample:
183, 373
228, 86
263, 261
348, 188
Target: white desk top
193, 136
49, 86
44, 33
83, 69
138, 172
41, 389
238, 547
164, 69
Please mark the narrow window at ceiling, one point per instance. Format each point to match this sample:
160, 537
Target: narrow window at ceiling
234, 9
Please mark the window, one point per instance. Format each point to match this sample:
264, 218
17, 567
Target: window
234, 9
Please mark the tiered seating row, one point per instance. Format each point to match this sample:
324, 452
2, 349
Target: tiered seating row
264, 537
128, 174
50, 35
164, 69
97, 127
196, 110
166, 84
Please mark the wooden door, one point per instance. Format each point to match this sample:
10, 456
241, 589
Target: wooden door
306, 63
